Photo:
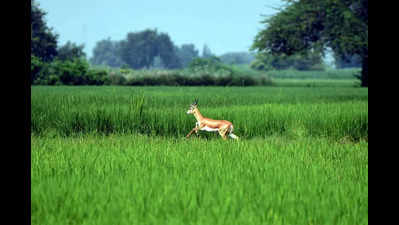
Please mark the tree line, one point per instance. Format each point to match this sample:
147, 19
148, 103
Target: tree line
143, 50
54, 64
152, 49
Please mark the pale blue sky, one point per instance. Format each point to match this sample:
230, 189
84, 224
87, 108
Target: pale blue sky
224, 25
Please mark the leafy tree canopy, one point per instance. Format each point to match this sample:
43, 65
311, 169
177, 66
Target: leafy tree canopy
70, 51
186, 53
140, 49
43, 39
107, 52
305, 25
144, 49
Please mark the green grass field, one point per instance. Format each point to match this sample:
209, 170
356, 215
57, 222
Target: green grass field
117, 155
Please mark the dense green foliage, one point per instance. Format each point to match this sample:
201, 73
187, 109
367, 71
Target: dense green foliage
69, 72
310, 25
43, 39
71, 51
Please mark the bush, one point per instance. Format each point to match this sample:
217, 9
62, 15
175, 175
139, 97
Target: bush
224, 81
212, 65
96, 77
203, 72
116, 79
71, 72
40, 72
244, 81
53, 80
201, 80
68, 72
36, 66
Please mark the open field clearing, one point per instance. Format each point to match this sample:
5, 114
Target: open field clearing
289, 82
117, 155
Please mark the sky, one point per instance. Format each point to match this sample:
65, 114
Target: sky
223, 25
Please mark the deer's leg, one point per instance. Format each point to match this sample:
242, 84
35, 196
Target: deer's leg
222, 132
197, 128
194, 129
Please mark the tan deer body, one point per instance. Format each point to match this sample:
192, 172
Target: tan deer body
224, 127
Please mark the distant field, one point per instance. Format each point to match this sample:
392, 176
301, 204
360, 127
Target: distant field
117, 155
289, 82
329, 74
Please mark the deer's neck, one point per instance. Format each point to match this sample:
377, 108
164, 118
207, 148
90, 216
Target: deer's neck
198, 115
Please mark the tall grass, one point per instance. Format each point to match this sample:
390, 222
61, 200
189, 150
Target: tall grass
133, 179
255, 112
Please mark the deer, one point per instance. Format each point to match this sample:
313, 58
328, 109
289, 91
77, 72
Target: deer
224, 127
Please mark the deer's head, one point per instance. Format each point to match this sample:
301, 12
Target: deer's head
193, 107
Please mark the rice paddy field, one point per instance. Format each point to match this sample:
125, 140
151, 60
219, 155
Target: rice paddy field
118, 155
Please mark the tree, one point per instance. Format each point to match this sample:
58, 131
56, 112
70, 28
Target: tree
187, 53
43, 39
305, 25
70, 51
143, 49
206, 52
107, 52
140, 49
168, 52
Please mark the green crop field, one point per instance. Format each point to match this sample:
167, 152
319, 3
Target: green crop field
117, 155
